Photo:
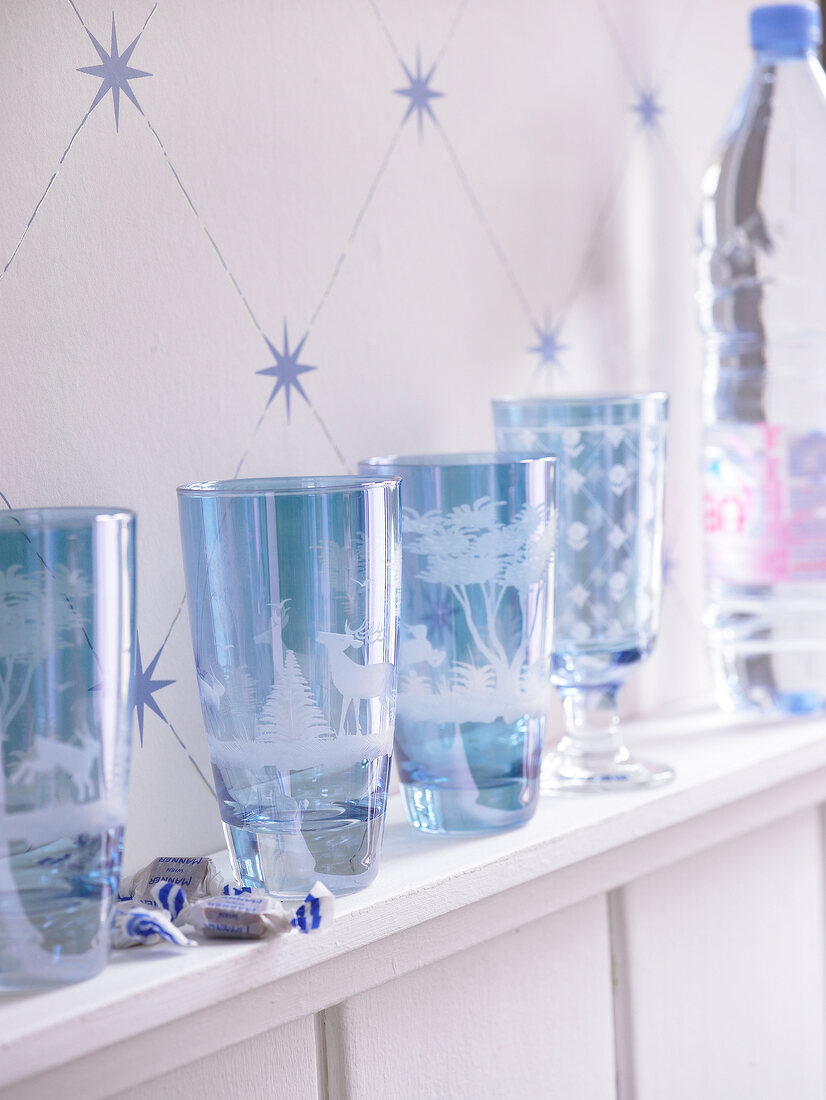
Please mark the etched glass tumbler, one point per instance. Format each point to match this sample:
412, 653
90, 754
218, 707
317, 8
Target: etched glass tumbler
611, 455
67, 625
293, 592
477, 610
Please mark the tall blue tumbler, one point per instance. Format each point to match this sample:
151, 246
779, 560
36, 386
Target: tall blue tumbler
67, 628
293, 589
477, 609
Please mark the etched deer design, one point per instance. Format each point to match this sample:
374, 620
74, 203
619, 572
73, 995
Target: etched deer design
355, 682
49, 756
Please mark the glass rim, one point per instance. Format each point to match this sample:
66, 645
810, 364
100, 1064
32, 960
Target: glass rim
284, 486
458, 460
657, 397
60, 516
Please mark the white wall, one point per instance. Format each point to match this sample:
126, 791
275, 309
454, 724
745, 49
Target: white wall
416, 266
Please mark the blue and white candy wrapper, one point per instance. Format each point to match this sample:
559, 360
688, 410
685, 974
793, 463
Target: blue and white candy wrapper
250, 915
135, 924
196, 875
316, 911
171, 897
241, 918
238, 913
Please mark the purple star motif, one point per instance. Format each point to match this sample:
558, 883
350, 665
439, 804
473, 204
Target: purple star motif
286, 369
419, 92
548, 345
145, 686
647, 108
114, 72
438, 613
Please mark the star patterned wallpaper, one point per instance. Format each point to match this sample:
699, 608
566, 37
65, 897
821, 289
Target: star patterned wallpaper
266, 238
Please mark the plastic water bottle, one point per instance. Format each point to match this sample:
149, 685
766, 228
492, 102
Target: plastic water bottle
762, 302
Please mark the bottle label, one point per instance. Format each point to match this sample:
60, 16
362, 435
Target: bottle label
765, 504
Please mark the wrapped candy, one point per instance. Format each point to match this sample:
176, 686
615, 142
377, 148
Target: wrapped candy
135, 924
254, 915
237, 918
196, 875
155, 907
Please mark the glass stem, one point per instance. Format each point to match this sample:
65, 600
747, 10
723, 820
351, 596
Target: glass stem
592, 727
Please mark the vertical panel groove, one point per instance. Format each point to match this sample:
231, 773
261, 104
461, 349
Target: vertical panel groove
622, 1001
320, 1024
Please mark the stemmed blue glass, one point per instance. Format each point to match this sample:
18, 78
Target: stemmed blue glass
67, 632
293, 589
477, 610
611, 455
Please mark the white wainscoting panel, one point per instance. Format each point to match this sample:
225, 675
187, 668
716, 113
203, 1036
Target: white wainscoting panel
527, 1014
281, 1062
723, 975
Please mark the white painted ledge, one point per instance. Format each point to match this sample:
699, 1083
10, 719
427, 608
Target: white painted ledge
153, 1010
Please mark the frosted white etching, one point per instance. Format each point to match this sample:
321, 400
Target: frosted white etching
416, 649
290, 711
75, 763
571, 442
608, 508
290, 731
34, 626
355, 681
39, 617
577, 536
346, 568
497, 574
619, 479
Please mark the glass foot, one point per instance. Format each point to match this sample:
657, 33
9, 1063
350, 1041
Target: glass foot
569, 774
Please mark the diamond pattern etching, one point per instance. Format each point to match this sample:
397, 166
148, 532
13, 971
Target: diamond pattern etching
594, 593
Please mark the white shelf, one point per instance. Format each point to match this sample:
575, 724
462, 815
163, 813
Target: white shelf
432, 897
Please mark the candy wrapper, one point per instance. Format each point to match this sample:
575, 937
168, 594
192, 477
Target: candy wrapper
316, 911
152, 909
246, 917
135, 924
196, 875
254, 915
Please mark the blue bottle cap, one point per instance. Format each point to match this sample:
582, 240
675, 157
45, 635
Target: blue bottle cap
786, 28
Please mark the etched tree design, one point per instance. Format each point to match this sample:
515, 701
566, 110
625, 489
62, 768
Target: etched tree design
38, 616
240, 700
468, 548
290, 712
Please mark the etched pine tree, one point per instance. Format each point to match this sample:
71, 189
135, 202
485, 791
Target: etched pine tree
290, 712
240, 700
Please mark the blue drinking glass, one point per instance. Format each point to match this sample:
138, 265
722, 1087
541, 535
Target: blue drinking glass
293, 589
477, 609
611, 455
67, 627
